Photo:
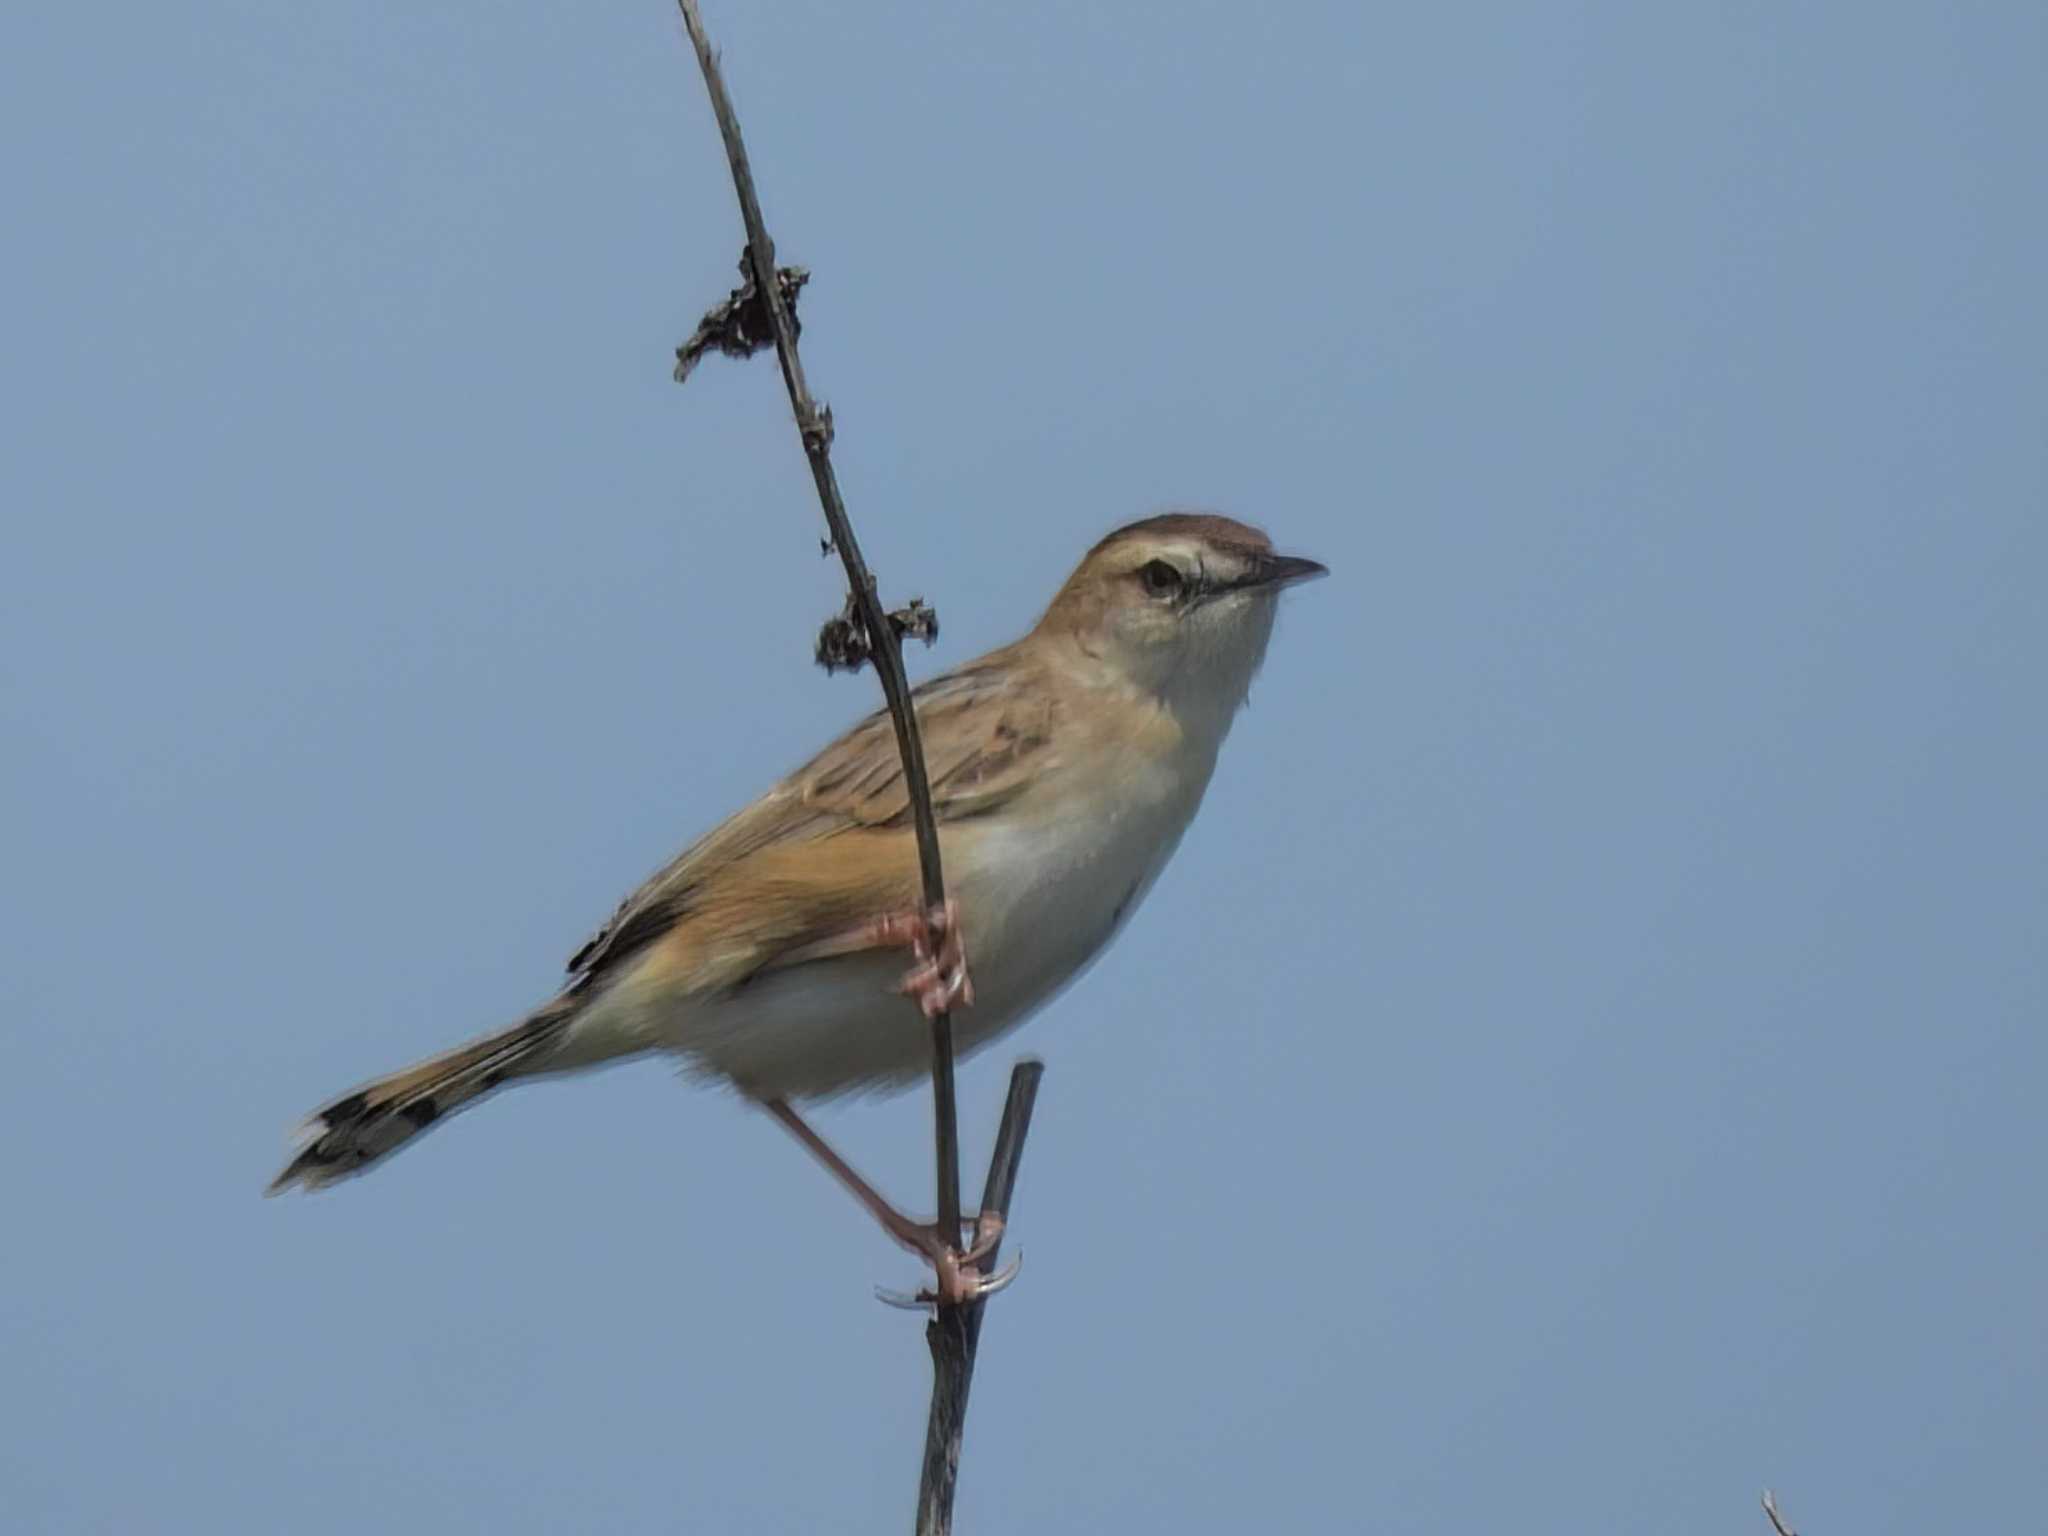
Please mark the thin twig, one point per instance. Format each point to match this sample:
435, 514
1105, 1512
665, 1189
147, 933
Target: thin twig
815, 424
1777, 1521
954, 1333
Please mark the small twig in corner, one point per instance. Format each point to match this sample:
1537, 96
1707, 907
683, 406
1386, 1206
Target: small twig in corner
1777, 1520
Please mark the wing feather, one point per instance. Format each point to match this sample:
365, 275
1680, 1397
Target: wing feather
988, 735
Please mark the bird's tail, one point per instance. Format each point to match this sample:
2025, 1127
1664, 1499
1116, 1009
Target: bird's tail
377, 1119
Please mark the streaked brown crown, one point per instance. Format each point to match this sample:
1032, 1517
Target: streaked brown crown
1226, 533
1103, 579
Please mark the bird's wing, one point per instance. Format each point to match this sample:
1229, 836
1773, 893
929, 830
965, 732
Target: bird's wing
988, 734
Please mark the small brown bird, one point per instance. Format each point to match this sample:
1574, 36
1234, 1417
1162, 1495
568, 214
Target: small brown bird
1064, 769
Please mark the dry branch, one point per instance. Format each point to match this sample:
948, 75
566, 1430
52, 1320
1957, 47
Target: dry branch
954, 1333
814, 424
761, 309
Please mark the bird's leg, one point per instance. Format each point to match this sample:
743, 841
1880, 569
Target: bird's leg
958, 1271
939, 979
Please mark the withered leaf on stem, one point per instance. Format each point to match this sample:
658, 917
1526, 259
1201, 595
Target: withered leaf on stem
843, 642
738, 325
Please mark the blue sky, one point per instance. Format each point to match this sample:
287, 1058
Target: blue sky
1585, 1063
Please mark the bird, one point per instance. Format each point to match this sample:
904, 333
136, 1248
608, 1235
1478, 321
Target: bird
1064, 769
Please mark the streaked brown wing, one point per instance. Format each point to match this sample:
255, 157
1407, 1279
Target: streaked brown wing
987, 729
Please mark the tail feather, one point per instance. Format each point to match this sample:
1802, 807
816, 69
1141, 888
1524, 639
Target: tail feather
356, 1130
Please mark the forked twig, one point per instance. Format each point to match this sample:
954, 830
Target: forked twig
954, 1333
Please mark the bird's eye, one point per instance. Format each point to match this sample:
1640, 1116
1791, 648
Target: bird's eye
1160, 579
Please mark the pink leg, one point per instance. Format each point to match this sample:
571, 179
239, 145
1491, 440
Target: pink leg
957, 1270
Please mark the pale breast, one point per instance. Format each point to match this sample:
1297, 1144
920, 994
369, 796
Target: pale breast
1041, 890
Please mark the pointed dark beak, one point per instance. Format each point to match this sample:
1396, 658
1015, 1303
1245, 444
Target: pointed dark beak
1286, 570
1262, 571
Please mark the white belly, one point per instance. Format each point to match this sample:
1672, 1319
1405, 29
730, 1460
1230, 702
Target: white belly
1039, 898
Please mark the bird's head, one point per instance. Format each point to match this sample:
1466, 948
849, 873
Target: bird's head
1180, 605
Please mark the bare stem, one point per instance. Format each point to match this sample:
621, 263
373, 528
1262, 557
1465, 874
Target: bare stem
815, 425
954, 1333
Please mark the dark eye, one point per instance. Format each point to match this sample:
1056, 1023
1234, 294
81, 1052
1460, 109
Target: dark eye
1160, 579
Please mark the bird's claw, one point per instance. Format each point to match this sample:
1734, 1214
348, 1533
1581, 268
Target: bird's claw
940, 978
957, 1276
957, 1285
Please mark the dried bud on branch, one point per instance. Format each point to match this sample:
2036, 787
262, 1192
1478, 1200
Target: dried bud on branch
739, 325
843, 640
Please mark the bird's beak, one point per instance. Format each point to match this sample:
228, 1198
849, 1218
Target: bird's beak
1286, 570
1264, 572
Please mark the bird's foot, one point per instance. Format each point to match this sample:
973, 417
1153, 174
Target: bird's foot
940, 978
956, 1271
956, 1267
